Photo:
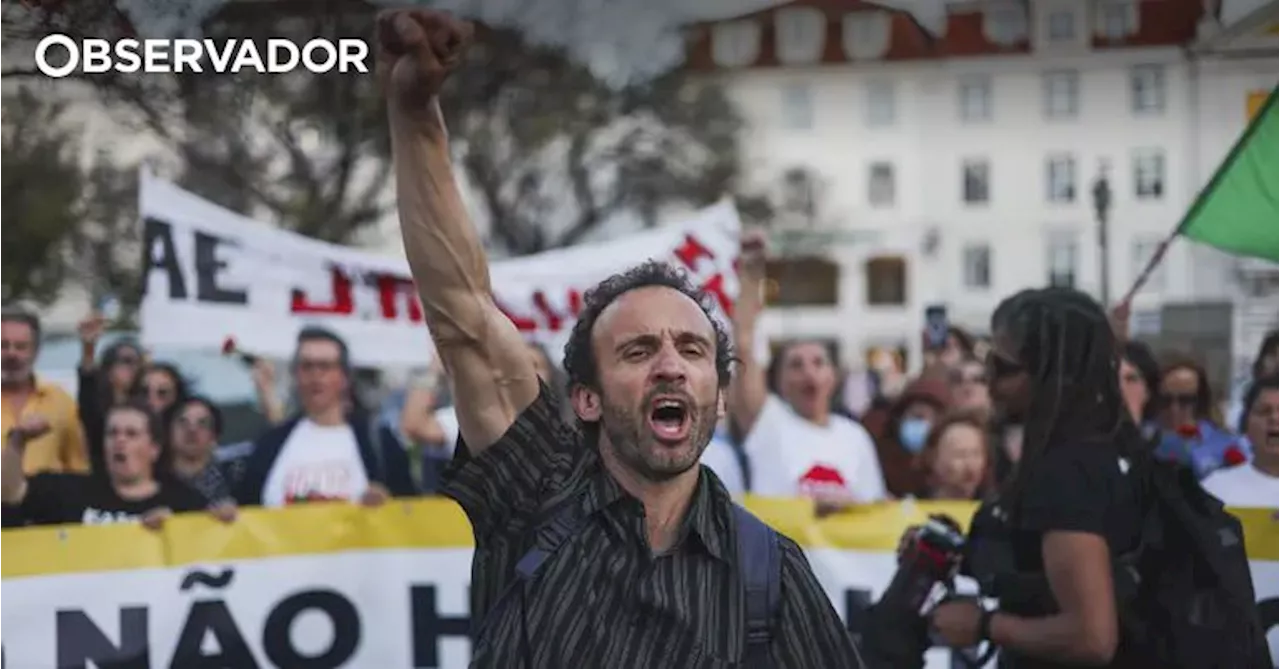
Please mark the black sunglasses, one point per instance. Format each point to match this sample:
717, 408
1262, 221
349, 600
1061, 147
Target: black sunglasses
1000, 367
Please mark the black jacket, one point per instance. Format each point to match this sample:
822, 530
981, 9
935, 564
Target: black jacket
385, 460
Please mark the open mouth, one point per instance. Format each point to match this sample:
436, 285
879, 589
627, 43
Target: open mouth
669, 419
118, 457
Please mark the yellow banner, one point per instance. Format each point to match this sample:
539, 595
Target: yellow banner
436, 523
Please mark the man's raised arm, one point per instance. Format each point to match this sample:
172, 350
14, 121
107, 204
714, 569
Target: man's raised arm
493, 378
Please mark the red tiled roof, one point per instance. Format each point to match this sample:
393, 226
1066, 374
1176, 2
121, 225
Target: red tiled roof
965, 36
908, 40
1160, 22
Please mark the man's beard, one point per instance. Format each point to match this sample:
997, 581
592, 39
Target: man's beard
14, 371
636, 446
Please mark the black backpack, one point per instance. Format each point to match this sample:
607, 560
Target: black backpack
1190, 601
759, 563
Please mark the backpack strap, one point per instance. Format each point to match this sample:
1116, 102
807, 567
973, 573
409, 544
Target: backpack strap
760, 566
566, 519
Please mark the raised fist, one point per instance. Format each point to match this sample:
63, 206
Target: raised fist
417, 48
753, 255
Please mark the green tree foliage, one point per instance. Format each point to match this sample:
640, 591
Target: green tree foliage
42, 182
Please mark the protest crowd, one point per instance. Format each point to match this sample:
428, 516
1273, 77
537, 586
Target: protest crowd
137, 442
137, 426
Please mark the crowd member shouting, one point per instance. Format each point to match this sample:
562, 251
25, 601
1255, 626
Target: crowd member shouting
794, 442
24, 399
1254, 483
335, 450
136, 487
648, 571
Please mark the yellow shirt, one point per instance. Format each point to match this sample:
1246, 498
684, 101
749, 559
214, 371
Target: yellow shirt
62, 448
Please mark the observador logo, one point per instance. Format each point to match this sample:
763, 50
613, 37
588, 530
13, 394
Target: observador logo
98, 56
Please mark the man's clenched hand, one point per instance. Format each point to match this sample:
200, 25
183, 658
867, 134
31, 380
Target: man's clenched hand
417, 48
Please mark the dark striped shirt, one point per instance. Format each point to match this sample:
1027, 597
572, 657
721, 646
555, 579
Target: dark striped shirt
603, 599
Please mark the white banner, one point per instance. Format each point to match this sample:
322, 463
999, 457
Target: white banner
338, 586
212, 274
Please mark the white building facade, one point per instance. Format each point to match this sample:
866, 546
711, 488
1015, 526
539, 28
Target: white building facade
958, 158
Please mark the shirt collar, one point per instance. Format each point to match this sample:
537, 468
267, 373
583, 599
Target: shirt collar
704, 521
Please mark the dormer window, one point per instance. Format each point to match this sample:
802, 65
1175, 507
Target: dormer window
866, 34
1061, 26
736, 43
801, 32
1005, 25
1117, 19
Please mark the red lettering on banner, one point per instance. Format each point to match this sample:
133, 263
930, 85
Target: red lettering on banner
343, 303
391, 289
715, 288
522, 323
575, 302
691, 250
553, 320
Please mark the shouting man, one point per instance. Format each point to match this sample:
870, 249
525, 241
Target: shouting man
608, 546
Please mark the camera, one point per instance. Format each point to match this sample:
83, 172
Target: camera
896, 634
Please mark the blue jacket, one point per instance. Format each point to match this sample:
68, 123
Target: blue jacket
387, 464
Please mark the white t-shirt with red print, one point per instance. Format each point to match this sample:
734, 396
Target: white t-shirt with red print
316, 463
791, 456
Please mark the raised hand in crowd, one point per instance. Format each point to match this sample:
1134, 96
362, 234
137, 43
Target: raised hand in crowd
90, 330
133, 487
263, 372
796, 443
486, 358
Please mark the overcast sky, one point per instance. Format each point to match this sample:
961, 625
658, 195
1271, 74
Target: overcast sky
621, 39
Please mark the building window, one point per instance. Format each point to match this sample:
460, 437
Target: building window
1146, 89
797, 106
880, 104
802, 282
977, 266
1062, 25
1060, 178
1063, 251
977, 181
1141, 251
886, 281
736, 43
1117, 19
1148, 174
975, 99
800, 34
866, 34
1006, 25
1062, 94
880, 187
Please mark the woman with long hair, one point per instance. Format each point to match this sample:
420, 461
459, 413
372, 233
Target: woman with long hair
1068, 505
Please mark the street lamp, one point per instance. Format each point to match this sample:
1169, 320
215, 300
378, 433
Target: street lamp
1101, 209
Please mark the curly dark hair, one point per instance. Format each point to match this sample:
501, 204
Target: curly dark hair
580, 364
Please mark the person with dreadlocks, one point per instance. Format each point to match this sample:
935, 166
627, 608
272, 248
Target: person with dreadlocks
1068, 505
